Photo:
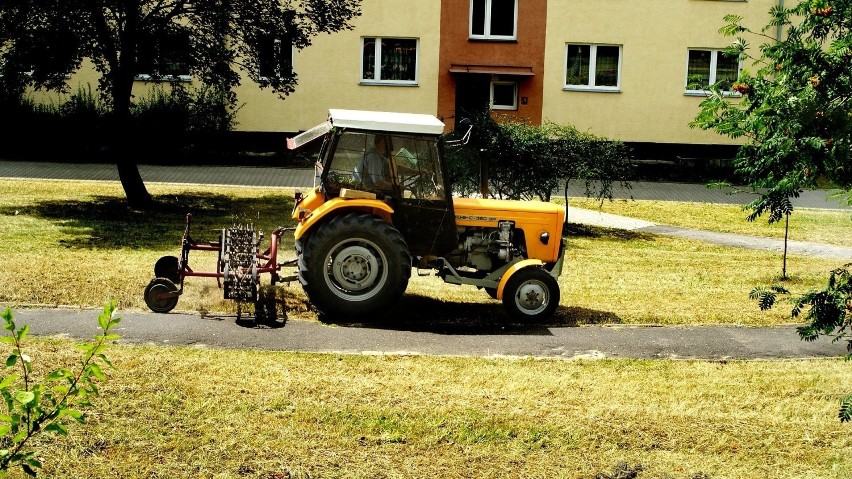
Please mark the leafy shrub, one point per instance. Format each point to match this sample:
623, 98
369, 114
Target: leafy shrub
173, 117
33, 406
164, 119
527, 161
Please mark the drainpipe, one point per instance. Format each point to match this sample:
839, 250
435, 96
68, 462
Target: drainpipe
780, 30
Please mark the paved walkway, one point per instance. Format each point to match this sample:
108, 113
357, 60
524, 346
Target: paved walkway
495, 339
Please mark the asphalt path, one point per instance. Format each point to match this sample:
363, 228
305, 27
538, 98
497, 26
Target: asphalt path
494, 340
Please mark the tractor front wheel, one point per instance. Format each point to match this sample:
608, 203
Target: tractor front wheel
354, 265
531, 294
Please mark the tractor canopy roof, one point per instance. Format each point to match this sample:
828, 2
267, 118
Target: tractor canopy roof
371, 121
386, 121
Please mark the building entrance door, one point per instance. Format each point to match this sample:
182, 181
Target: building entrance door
473, 93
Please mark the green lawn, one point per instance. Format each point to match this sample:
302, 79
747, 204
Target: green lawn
78, 244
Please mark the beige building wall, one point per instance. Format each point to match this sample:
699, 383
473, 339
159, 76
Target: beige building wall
655, 36
329, 71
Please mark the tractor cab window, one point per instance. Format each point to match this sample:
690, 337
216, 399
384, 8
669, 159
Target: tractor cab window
388, 163
417, 166
342, 168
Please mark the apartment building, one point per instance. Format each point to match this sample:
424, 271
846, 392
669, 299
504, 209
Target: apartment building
633, 71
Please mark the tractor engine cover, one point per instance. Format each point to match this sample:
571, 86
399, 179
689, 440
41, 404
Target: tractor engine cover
486, 249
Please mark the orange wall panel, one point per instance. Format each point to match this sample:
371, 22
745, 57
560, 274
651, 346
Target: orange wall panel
526, 52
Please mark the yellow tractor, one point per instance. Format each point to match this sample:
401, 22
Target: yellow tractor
384, 206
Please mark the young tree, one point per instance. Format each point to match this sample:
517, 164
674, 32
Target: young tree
796, 115
795, 111
42, 41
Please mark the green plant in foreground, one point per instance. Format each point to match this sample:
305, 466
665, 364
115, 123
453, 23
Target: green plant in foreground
829, 313
33, 406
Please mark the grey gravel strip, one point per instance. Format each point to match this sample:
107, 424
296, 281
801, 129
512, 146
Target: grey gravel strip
752, 242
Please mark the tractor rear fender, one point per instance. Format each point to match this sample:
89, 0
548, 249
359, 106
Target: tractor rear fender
527, 263
335, 206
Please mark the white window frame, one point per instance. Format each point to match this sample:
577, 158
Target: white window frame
487, 24
593, 60
514, 105
714, 55
377, 67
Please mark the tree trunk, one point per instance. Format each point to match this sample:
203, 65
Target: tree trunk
123, 136
134, 187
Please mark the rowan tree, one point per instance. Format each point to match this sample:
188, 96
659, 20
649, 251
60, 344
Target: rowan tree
794, 111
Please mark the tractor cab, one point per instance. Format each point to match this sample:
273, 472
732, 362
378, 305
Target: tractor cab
393, 158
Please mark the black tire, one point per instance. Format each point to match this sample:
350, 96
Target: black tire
354, 265
492, 292
168, 267
153, 295
531, 294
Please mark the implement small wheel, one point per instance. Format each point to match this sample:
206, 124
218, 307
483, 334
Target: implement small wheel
158, 295
531, 294
168, 267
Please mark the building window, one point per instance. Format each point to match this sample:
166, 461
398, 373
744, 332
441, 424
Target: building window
709, 67
276, 57
165, 56
593, 67
389, 61
504, 95
493, 19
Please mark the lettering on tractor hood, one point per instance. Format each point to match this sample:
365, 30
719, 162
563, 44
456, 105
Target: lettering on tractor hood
476, 218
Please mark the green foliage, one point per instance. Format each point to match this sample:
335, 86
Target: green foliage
827, 312
177, 115
217, 43
174, 116
845, 414
46, 406
795, 112
527, 161
217, 39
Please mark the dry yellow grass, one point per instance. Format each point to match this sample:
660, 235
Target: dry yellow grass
77, 243
193, 413
819, 226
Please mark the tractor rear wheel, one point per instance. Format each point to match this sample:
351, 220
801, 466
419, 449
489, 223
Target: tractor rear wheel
531, 294
355, 264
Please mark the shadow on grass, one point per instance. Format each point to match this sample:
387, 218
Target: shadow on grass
425, 314
107, 222
574, 230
